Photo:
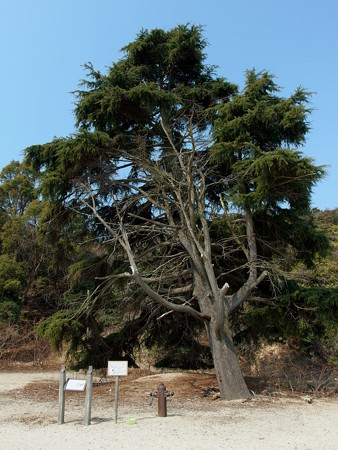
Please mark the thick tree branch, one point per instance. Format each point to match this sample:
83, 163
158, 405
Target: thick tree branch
169, 305
243, 293
251, 244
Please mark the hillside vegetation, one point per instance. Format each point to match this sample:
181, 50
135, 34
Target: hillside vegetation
302, 317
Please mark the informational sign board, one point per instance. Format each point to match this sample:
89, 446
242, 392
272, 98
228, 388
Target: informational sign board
75, 385
117, 368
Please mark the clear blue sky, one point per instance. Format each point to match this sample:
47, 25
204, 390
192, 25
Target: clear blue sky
44, 44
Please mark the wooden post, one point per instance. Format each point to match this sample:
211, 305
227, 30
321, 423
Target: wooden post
115, 369
61, 417
89, 393
116, 396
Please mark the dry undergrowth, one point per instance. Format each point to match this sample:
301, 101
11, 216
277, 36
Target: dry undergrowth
21, 345
282, 368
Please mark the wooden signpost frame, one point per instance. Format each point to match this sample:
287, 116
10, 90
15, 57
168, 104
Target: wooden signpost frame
75, 385
117, 369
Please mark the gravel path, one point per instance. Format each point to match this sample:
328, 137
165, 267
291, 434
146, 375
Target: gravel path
26, 423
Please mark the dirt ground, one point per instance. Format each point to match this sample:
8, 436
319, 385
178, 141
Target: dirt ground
197, 417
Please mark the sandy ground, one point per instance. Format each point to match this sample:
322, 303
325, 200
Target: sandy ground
29, 412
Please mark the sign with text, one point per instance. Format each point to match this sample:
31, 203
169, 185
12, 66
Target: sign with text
117, 368
75, 385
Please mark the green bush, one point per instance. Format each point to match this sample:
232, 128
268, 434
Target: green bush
9, 311
305, 316
60, 327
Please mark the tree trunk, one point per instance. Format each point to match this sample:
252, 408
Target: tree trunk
229, 375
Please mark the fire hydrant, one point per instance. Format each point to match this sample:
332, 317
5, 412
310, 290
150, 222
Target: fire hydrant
161, 395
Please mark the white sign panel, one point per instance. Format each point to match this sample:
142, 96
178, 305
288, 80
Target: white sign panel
117, 368
75, 385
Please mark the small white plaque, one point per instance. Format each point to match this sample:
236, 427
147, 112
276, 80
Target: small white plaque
75, 385
117, 368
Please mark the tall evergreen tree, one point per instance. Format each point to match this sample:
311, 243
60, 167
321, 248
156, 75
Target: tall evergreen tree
163, 153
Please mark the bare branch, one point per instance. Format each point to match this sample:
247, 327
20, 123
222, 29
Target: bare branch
154, 222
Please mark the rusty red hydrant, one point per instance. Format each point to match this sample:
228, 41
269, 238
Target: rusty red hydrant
162, 401
161, 395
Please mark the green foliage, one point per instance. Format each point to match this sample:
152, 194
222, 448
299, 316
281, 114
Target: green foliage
162, 71
17, 192
24, 257
306, 313
11, 275
9, 311
254, 134
280, 175
305, 317
60, 327
17, 188
325, 270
